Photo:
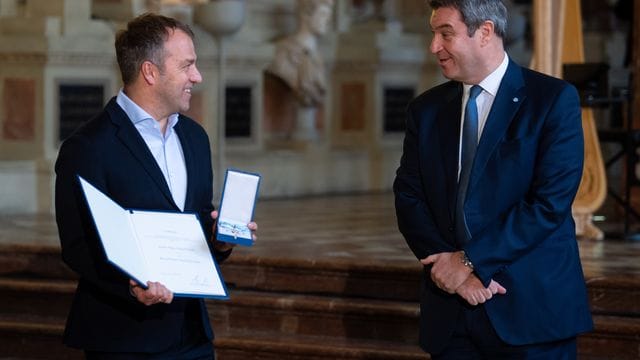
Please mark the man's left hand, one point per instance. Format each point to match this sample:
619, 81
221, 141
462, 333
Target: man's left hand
222, 246
475, 293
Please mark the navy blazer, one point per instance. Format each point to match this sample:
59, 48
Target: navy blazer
109, 152
525, 175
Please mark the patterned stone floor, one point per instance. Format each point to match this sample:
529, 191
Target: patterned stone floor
359, 229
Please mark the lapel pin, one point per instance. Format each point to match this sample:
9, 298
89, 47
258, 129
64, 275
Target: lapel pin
515, 99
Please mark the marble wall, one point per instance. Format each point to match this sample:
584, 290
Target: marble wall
69, 43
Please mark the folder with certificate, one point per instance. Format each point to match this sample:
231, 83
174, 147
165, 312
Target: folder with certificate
167, 247
237, 206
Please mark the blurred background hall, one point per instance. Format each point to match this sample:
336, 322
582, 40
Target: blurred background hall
330, 277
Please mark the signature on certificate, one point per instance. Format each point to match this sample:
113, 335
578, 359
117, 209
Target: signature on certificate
199, 280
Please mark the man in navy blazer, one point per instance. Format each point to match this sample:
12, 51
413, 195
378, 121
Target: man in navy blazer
143, 154
502, 273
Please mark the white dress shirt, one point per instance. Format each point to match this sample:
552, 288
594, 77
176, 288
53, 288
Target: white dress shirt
484, 101
165, 148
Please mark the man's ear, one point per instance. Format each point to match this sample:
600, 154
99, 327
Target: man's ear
487, 32
149, 72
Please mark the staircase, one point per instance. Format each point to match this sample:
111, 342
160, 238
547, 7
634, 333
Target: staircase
35, 294
329, 278
288, 309
267, 320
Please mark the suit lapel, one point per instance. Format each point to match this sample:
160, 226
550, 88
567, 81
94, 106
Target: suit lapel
189, 161
505, 106
449, 128
131, 139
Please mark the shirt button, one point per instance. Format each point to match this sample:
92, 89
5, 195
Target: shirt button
450, 229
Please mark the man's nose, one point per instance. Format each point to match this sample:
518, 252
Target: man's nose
435, 45
196, 77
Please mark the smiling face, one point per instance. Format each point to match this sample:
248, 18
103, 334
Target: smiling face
459, 56
178, 73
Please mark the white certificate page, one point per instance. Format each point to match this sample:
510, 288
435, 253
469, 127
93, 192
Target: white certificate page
167, 247
176, 252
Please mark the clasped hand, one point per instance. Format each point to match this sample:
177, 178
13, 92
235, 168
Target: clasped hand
451, 275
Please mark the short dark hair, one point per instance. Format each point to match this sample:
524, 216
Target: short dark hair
143, 40
476, 12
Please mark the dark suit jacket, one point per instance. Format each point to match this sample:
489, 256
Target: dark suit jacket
109, 152
526, 173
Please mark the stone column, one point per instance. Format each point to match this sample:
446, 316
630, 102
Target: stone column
558, 40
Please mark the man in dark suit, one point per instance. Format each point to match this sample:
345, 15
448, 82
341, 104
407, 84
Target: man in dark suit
483, 197
143, 154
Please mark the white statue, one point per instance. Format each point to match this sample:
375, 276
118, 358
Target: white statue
297, 61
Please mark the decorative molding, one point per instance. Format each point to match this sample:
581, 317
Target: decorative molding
57, 58
235, 62
23, 58
351, 66
78, 58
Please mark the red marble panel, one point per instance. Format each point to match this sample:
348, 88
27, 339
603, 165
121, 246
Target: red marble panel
18, 109
280, 106
352, 106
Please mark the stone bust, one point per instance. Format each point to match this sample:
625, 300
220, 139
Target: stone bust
297, 61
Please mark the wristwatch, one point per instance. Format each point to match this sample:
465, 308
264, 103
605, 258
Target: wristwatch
465, 260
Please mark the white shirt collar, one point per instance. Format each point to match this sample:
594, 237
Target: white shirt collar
137, 114
491, 83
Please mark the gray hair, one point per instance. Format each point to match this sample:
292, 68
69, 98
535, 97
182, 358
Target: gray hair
476, 12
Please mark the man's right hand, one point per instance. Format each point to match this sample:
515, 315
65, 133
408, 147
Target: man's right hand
475, 293
154, 293
448, 272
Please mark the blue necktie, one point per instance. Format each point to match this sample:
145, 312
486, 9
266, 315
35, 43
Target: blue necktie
469, 144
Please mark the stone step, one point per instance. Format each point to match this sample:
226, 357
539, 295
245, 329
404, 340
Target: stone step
614, 337
340, 277
268, 346
614, 295
33, 311
37, 337
308, 315
610, 294
34, 337
283, 313
341, 299
34, 261
362, 319
44, 297
264, 311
